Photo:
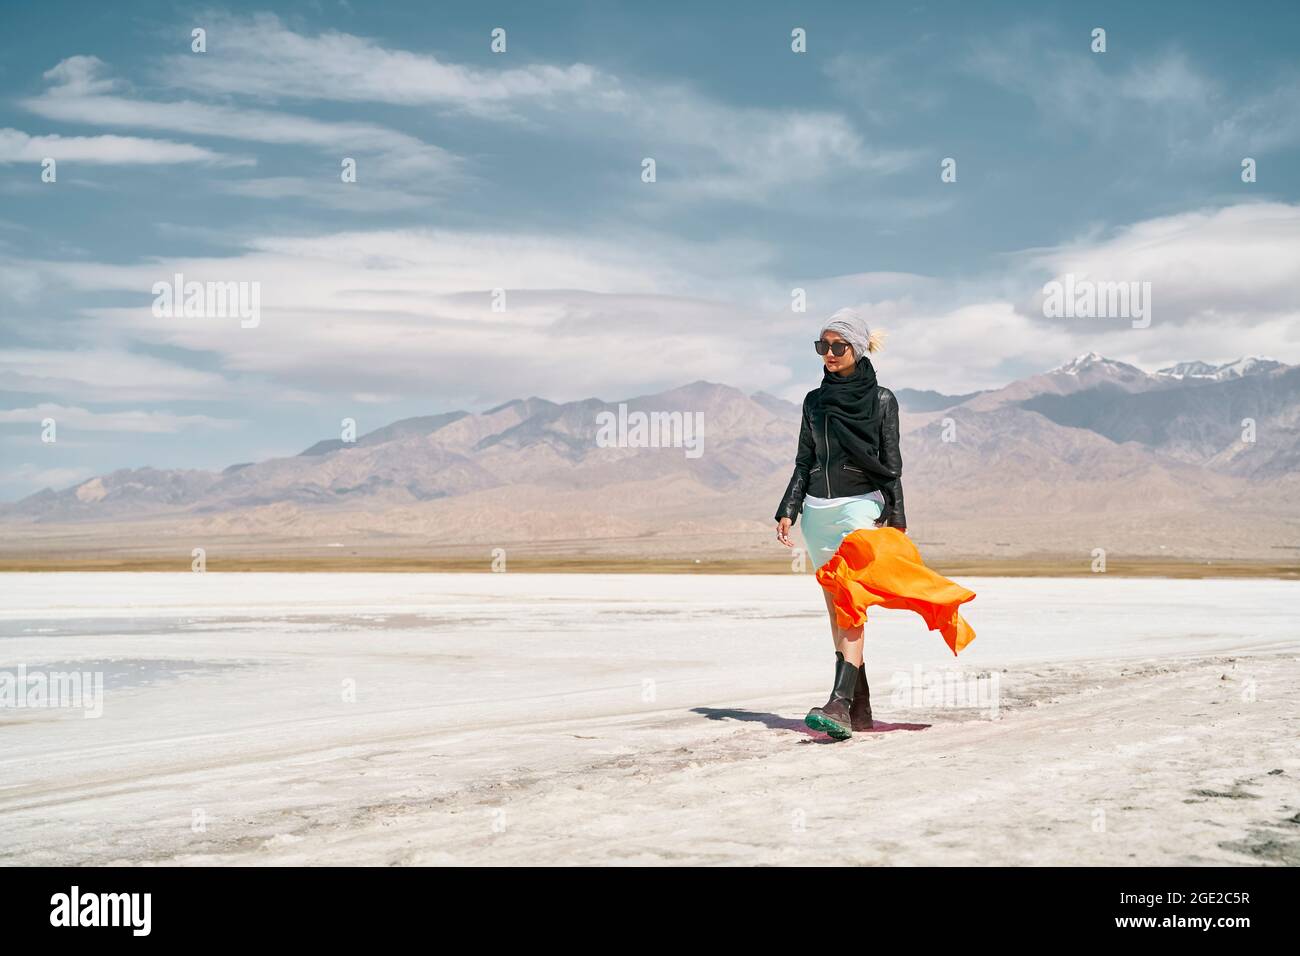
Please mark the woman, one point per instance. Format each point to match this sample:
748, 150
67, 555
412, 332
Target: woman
847, 483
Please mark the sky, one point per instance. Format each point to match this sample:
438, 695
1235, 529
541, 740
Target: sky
501, 239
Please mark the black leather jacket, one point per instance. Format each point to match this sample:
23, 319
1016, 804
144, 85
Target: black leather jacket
828, 473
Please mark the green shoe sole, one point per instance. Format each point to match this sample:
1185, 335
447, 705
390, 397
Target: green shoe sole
828, 726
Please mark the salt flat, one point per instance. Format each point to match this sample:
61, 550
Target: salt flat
526, 718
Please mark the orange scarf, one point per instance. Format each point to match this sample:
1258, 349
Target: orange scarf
881, 566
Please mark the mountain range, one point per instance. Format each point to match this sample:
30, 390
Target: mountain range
1192, 460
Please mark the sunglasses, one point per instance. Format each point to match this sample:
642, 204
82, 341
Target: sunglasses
822, 347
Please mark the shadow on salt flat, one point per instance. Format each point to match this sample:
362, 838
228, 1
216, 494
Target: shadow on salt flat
777, 722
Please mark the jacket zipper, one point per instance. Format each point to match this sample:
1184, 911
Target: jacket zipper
826, 441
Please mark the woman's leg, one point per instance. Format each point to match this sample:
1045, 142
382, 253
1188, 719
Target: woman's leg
848, 643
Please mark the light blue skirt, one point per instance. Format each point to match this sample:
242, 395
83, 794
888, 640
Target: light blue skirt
828, 521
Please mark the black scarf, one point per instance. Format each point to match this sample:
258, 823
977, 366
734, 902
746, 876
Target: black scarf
852, 407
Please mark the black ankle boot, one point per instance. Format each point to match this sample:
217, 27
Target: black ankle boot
860, 712
834, 718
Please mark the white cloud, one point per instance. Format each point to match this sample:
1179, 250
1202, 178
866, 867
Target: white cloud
80, 76
1224, 283
381, 152
1240, 263
116, 421
20, 284
1162, 95
708, 149
107, 375
408, 312
880, 85
331, 193
19, 147
259, 56
753, 147
719, 151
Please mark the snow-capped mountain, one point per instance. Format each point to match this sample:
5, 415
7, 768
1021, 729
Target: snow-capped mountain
1096, 363
1249, 365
